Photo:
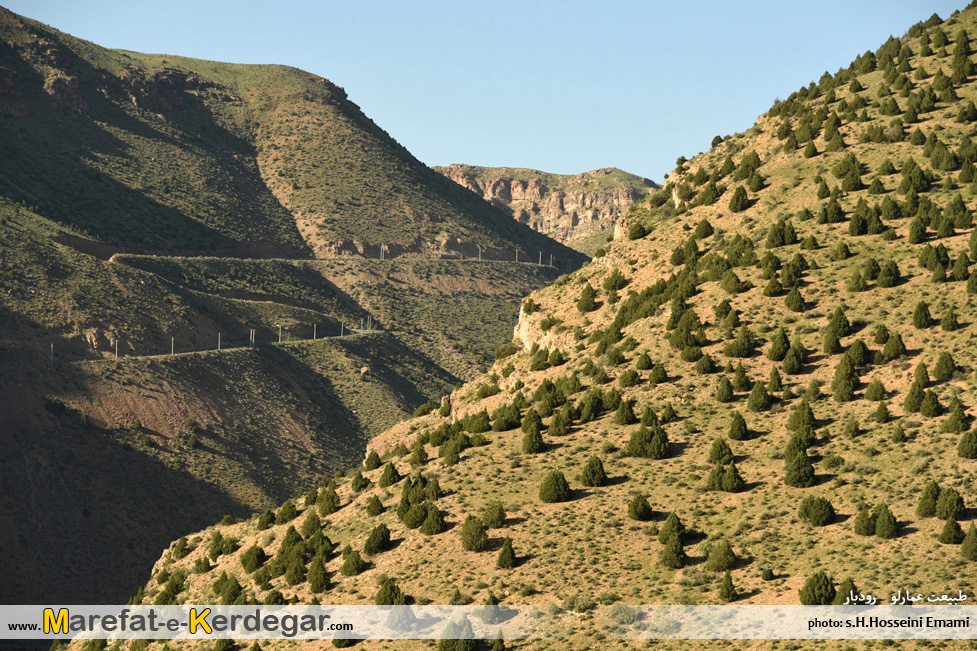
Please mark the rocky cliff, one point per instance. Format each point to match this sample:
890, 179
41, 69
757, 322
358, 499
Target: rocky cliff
568, 208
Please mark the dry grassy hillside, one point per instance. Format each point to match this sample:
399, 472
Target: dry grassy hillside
150, 201
777, 351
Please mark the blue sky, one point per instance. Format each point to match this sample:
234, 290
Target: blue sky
559, 86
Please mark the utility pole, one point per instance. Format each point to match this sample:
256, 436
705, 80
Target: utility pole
172, 345
52, 353
314, 326
479, 252
279, 334
551, 259
117, 349
342, 329
541, 258
517, 255
218, 341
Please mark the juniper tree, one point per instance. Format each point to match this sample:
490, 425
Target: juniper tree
639, 509
359, 483
724, 392
794, 301
669, 414
433, 522
961, 268
311, 525
720, 452
967, 447
816, 511
759, 398
779, 346
845, 592
657, 375
266, 520
721, 556
845, 380
378, 540
715, 480
318, 578
390, 476
859, 353
727, 592
532, 443
740, 380
296, 572
390, 594
955, 421
875, 391
286, 513
800, 471
253, 558
885, 523
882, 413
473, 534
865, 523
889, 275
831, 345
921, 316
739, 201
587, 301
673, 525
914, 397
494, 515
949, 504
593, 473
673, 555
737, 427
792, 363
507, 556
927, 503
949, 321
554, 488
968, 549
802, 418
930, 405
732, 481
374, 506
952, 534
894, 347
372, 460
818, 590
625, 413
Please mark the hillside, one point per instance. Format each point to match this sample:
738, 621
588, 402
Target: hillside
579, 210
770, 371
152, 205
241, 160
436, 321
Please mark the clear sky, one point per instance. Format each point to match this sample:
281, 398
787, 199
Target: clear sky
559, 86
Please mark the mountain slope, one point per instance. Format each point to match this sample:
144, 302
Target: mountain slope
646, 357
151, 205
172, 155
579, 210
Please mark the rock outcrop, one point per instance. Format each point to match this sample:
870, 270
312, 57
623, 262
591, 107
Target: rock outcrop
565, 207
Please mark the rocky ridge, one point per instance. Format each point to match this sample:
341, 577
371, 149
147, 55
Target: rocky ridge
566, 207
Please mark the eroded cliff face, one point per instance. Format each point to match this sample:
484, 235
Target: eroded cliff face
565, 207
